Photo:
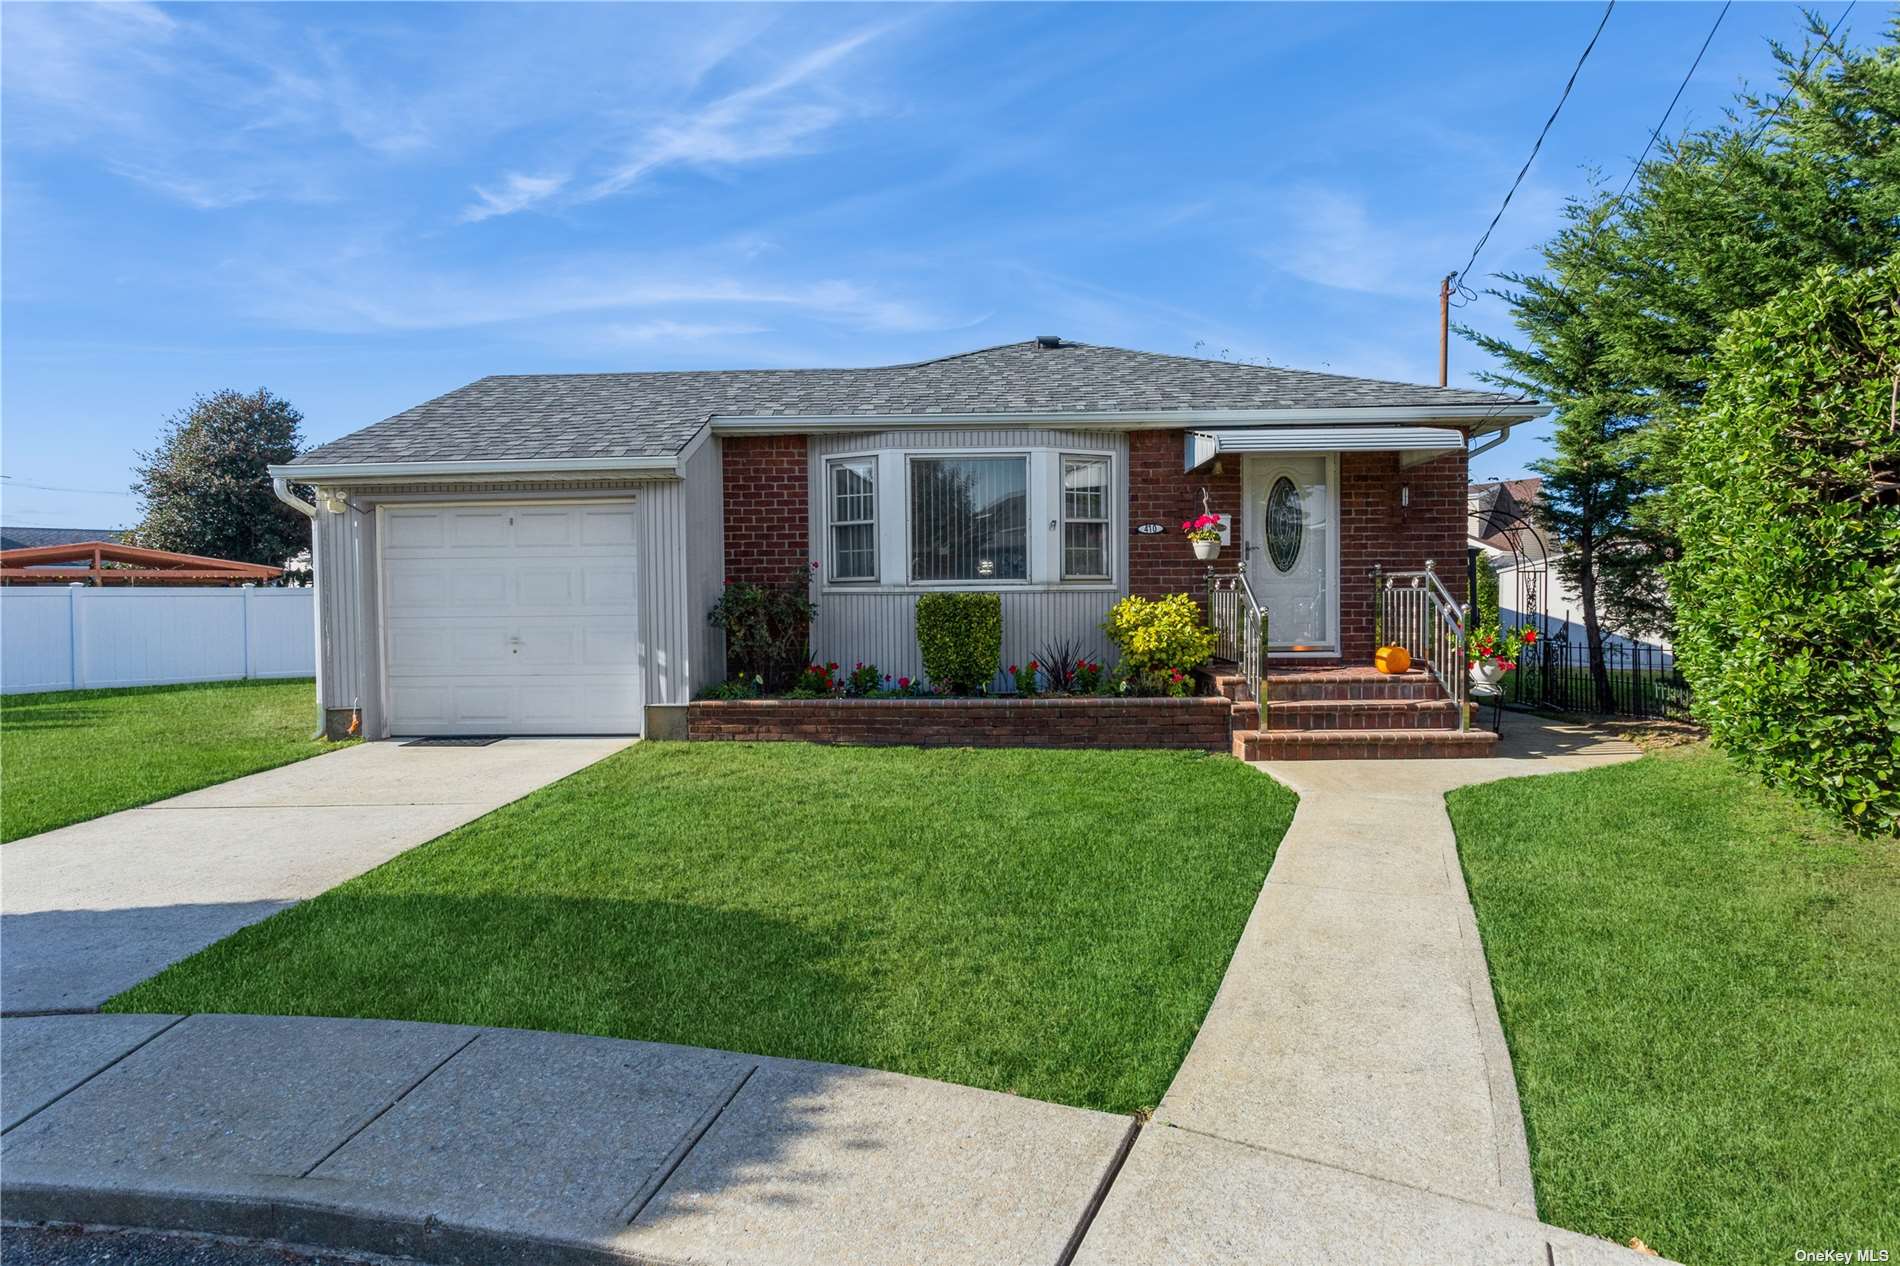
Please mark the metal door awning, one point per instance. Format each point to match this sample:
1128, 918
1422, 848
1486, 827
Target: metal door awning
1414, 444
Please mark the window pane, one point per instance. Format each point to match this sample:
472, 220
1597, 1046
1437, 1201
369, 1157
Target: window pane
854, 552
1085, 551
968, 517
1084, 490
851, 493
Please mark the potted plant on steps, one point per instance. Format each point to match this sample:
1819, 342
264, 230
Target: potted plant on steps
1204, 531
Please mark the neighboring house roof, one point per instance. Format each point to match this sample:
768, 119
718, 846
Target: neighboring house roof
1503, 507
34, 537
534, 417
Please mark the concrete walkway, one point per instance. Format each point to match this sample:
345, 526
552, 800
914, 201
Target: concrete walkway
1355, 1031
491, 1145
89, 910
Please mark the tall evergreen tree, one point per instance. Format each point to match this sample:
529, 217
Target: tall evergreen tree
206, 486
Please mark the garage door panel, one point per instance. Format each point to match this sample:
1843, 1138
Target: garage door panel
512, 620
607, 527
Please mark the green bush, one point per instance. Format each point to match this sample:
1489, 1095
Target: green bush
1788, 507
1484, 607
961, 638
1164, 633
767, 628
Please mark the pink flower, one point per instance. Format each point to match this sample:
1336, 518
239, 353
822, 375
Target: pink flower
903, 683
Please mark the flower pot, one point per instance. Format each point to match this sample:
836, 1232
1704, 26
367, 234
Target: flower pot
1207, 551
1486, 672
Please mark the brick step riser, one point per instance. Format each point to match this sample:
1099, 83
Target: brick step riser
1431, 718
1353, 692
1421, 745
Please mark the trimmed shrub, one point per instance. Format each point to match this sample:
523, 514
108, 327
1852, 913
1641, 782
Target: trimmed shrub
1164, 633
767, 629
961, 638
1788, 506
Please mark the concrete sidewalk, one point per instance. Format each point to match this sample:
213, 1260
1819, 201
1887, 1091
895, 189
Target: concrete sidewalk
483, 1145
1355, 1028
89, 910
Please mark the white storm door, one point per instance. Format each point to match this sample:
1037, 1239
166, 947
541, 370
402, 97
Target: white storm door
1291, 537
511, 619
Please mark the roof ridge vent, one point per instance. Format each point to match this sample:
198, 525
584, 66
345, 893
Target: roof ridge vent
1048, 340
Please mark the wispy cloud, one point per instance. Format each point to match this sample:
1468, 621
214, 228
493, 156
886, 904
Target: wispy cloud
782, 114
517, 192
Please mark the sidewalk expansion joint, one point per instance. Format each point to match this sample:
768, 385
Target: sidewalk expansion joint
637, 1203
1109, 1176
1503, 1210
400, 1095
29, 1015
95, 1072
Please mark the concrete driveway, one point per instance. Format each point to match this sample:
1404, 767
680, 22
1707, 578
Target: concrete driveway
89, 910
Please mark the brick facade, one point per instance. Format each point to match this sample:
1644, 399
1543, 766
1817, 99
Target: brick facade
767, 509
1375, 528
1159, 491
1196, 724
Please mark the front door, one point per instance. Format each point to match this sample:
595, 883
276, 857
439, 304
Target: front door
1292, 549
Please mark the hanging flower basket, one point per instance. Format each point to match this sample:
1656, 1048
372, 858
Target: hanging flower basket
1205, 533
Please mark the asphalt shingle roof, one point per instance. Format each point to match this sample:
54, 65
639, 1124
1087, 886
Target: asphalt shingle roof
533, 416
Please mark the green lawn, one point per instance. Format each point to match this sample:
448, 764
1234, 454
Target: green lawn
1049, 923
1700, 982
76, 754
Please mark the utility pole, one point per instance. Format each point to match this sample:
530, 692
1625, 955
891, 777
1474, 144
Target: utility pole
1444, 328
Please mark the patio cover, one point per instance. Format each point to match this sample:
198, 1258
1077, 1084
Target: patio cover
1414, 444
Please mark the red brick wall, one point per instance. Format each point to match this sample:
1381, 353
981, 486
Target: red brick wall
1159, 491
768, 537
1195, 724
1376, 529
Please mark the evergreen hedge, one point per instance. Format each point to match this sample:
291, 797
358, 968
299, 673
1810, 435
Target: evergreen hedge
960, 636
1788, 507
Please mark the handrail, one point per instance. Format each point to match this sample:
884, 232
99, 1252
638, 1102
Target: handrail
1428, 622
1239, 622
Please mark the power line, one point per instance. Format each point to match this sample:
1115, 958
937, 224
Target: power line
1672, 101
1571, 83
1801, 74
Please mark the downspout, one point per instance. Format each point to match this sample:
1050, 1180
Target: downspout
1489, 444
281, 486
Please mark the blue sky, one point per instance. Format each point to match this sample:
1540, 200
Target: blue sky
361, 207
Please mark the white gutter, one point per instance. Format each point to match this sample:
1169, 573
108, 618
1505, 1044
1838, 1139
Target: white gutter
326, 472
281, 486
1132, 419
1503, 434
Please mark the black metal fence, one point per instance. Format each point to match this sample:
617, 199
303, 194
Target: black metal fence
1643, 680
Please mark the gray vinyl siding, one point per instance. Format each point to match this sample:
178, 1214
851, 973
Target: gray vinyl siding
877, 624
679, 542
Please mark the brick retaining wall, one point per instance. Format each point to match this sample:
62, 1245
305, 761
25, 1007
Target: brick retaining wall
1193, 724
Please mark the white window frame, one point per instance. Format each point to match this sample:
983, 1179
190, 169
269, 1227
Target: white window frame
1063, 518
1026, 457
869, 464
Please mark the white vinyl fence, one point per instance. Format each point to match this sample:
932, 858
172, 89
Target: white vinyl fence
77, 637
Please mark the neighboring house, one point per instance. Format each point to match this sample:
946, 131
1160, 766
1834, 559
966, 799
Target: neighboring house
36, 537
538, 553
1505, 534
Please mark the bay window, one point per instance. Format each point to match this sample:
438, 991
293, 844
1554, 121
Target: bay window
853, 491
969, 519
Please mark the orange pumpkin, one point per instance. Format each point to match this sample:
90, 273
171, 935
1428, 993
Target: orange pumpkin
1392, 659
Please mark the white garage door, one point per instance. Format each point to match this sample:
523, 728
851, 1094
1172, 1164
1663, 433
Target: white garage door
511, 619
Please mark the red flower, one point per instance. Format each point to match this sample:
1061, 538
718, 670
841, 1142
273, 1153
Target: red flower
1033, 665
1012, 670
903, 683
1530, 637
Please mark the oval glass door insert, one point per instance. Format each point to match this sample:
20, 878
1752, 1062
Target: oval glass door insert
1286, 523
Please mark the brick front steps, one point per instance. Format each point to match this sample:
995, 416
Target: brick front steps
1200, 723
1336, 713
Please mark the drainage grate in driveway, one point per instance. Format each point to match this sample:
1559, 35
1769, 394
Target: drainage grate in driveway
473, 740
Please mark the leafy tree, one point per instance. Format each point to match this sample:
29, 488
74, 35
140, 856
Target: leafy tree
1593, 480
206, 487
1620, 329
1789, 586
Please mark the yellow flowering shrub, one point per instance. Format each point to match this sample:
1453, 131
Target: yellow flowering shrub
1159, 633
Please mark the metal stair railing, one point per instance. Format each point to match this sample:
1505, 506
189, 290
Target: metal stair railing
1413, 609
1239, 622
